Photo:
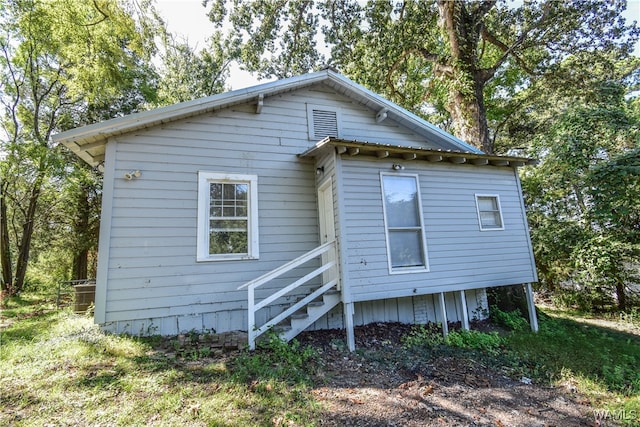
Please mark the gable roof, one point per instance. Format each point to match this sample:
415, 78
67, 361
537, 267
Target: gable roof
88, 142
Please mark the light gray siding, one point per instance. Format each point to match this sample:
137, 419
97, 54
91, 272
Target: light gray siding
152, 282
460, 256
419, 309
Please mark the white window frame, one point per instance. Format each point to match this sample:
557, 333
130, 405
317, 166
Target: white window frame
405, 270
497, 199
311, 122
204, 202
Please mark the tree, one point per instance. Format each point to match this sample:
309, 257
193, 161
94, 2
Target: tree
583, 197
614, 189
188, 74
465, 59
63, 62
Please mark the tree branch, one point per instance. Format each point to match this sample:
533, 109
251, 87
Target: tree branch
438, 66
483, 9
104, 15
507, 51
487, 73
13, 108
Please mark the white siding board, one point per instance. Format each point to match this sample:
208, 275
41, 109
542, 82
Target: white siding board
169, 158
405, 310
190, 323
391, 310
154, 280
409, 310
451, 304
460, 255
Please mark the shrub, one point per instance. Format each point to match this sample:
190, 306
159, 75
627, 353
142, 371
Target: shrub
423, 336
428, 337
275, 359
490, 342
512, 320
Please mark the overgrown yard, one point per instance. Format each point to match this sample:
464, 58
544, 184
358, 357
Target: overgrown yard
57, 368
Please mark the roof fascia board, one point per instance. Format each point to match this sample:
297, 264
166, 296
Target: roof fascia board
160, 115
94, 133
391, 149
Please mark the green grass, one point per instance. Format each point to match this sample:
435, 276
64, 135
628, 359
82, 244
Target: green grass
58, 368
600, 363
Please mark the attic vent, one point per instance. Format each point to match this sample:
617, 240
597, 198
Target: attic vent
323, 121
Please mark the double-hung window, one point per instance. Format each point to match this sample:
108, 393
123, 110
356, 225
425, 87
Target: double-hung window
489, 212
227, 216
406, 248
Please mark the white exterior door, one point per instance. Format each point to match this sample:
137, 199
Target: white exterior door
327, 226
326, 212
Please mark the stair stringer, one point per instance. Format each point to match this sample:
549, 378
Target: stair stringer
315, 310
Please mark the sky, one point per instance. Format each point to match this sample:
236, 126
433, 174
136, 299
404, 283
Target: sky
187, 18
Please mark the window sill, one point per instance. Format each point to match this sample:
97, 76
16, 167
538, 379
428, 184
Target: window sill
408, 270
227, 258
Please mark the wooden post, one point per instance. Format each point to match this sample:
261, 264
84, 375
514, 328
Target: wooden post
533, 317
251, 322
348, 321
443, 314
465, 314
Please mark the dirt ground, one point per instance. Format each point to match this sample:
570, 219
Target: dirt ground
370, 388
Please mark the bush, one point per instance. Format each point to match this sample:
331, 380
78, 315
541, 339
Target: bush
275, 359
429, 337
423, 336
512, 320
490, 342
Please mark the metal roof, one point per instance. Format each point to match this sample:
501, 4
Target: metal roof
381, 151
89, 142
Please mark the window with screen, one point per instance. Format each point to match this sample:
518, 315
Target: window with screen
227, 216
406, 246
489, 212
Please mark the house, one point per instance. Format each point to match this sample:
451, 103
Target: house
309, 201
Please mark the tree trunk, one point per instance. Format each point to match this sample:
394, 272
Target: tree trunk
81, 225
80, 265
27, 233
621, 295
461, 25
5, 249
470, 117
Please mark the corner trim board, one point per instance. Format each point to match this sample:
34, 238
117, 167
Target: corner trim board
102, 275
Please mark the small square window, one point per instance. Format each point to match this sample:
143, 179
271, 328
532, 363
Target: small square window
489, 212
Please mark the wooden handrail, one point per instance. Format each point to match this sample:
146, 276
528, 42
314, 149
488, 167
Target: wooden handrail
255, 331
288, 266
294, 285
297, 306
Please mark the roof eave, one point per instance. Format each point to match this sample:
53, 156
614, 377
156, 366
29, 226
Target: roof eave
406, 153
97, 135
75, 139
